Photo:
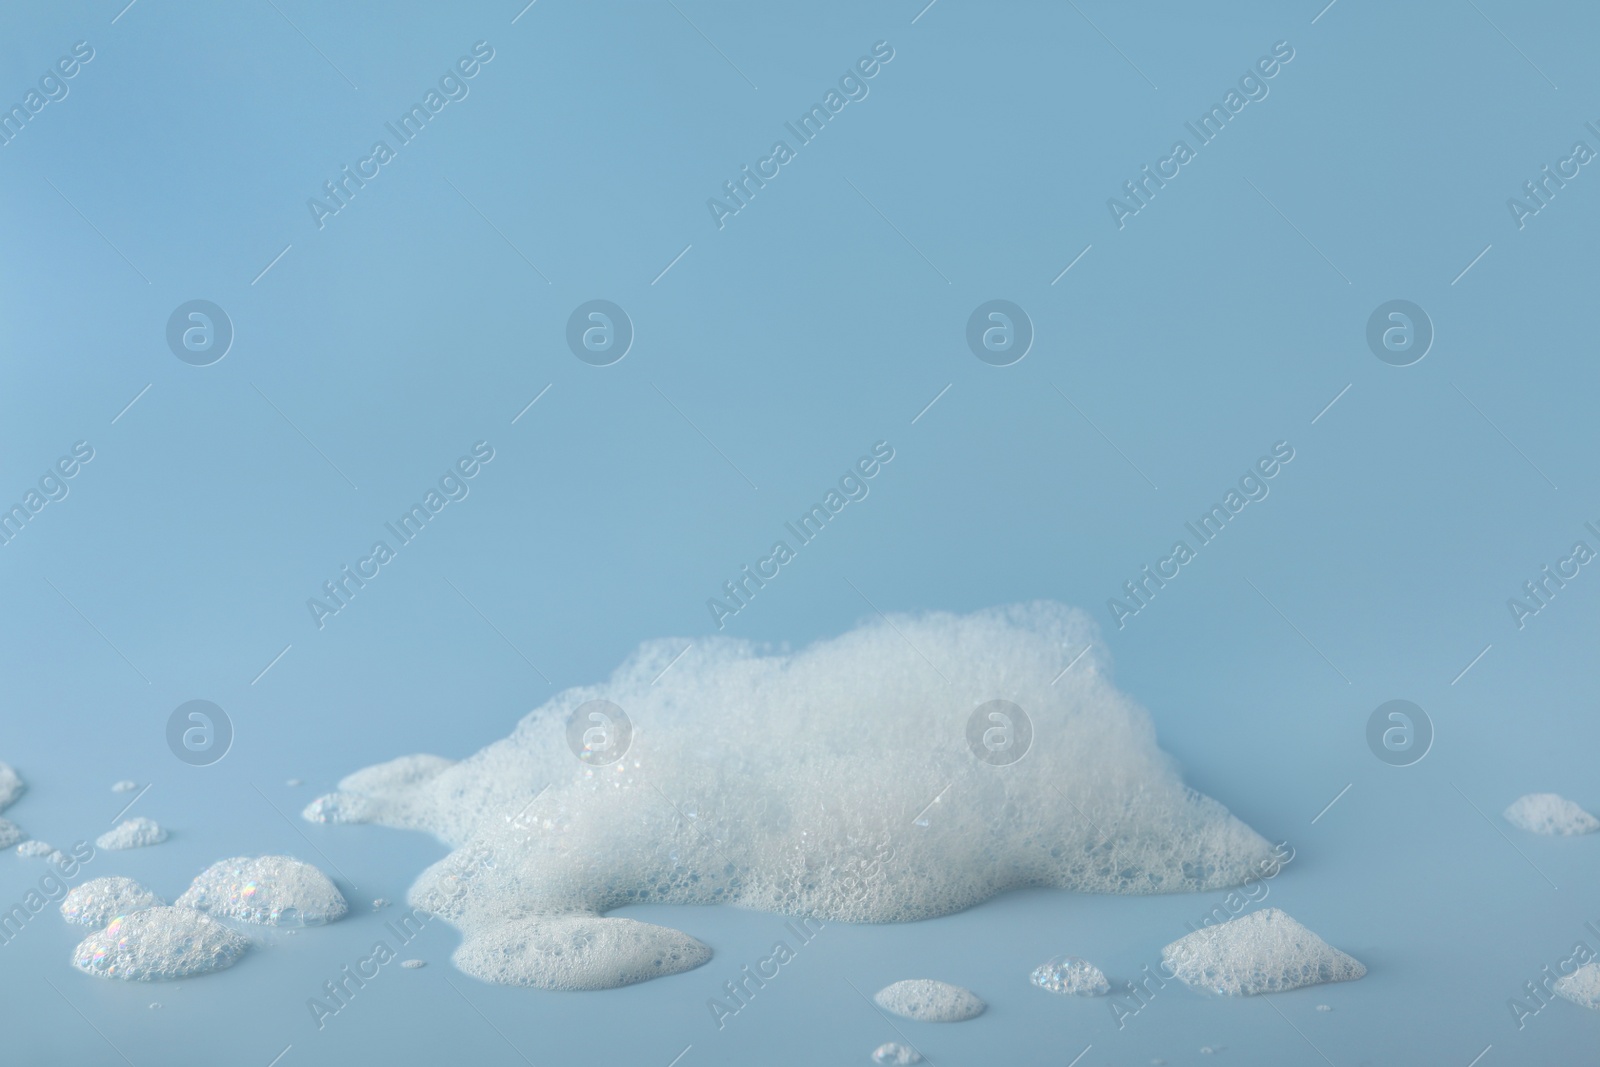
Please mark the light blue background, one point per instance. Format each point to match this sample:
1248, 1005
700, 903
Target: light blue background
822, 318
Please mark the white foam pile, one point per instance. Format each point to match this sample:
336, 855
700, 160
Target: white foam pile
579, 952
11, 786
34, 849
99, 900
1263, 952
896, 1054
136, 832
271, 890
1550, 813
930, 1001
1070, 976
10, 833
158, 943
1582, 986
801, 783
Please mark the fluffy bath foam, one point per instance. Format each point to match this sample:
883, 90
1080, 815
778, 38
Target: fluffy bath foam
894, 1054
133, 833
10, 833
98, 901
11, 786
159, 943
1263, 952
1070, 976
804, 783
930, 1001
577, 952
271, 890
1549, 813
1582, 986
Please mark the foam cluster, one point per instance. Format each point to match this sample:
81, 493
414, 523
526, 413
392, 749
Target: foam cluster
99, 900
158, 943
11, 786
10, 833
804, 783
1550, 813
578, 952
929, 1001
136, 832
1582, 986
1263, 952
1070, 976
270, 890
895, 1054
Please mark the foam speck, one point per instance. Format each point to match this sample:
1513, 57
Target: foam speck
1549, 813
412, 965
136, 832
793, 783
1263, 952
1582, 986
1071, 976
159, 943
34, 849
127, 785
930, 1001
11, 786
10, 833
272, 890
98, 901
895, 1053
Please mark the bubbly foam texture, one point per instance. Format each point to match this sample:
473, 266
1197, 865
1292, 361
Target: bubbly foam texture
11, 786
99, 900
32, 850
10, 833
156, 943
801, 784
1263, 952
1582, 986
1070, 976
126, 785
930, 1001
895, 1053
1549, 813
133, 833
577, 952
271, 890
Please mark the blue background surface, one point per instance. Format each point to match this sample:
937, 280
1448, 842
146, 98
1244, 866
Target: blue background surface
769, 353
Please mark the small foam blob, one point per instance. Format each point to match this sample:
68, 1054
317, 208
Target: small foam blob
99, 900
271, 890
294, 782
1323, 1007
157, 943
838, 746
1070, 976
412, 965
1263, 952
930, 1001
10, 833
893, 1052
1550, 813
578, 952
1582, 986
34, 849
11, 785
127, 785
136, 832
